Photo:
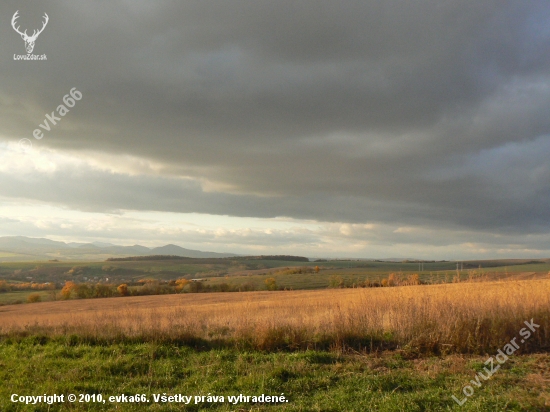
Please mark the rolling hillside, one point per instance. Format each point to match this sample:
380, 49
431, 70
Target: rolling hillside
21, 248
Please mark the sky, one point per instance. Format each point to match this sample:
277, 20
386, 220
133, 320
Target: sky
351, 128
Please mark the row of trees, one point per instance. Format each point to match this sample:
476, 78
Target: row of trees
297, 270
393, 279
85, 290
6, 286
72, 290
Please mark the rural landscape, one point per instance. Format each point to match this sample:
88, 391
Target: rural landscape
275, 206
328, 334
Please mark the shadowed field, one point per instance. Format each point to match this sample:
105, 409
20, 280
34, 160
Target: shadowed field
460, 318
311, 380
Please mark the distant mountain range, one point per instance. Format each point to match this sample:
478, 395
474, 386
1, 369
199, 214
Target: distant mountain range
21, 248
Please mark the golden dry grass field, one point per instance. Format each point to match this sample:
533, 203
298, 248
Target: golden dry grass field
461, 317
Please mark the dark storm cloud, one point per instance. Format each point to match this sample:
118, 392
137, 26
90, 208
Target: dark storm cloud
348, 111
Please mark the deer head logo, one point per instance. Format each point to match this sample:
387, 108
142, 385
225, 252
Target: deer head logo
29, 40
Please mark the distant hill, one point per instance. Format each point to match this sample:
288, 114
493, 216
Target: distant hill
146, 258
175, 250
21, 248
23, 241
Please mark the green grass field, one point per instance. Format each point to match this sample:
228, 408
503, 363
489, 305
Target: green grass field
378, 271
311, 381
10, 298
8, 255
247, 270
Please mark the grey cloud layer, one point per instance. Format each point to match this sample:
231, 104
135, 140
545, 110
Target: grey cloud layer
426, 112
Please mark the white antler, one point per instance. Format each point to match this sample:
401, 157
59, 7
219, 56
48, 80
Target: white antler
36, 33
29, 40
13, 21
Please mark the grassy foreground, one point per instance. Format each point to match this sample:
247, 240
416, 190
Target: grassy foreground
311, 380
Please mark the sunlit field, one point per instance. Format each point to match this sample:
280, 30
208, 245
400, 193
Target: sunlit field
459, 318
